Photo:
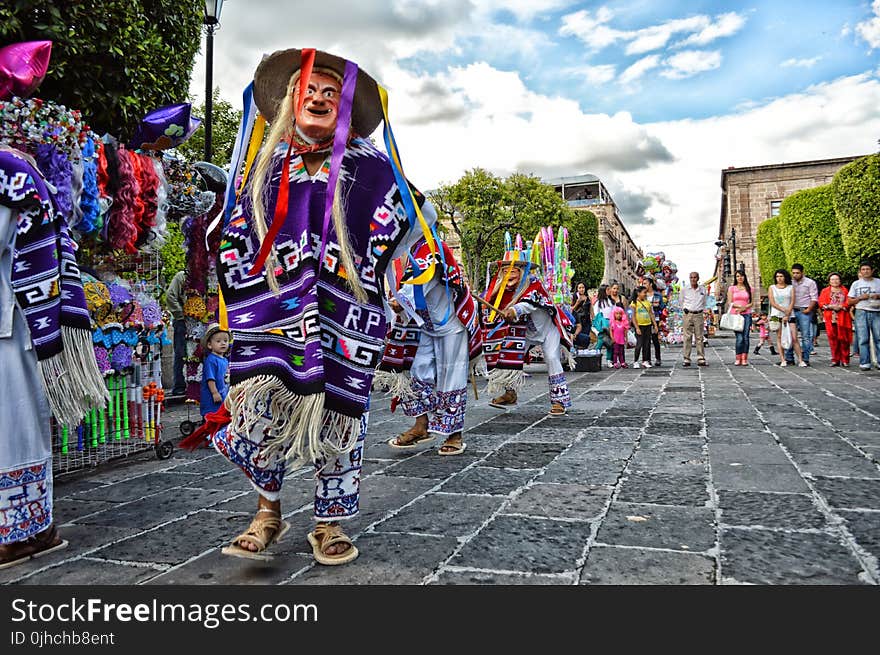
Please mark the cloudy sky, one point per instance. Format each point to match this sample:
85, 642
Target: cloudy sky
655, 98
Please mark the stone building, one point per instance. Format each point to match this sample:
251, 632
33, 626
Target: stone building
586, 192
752, 194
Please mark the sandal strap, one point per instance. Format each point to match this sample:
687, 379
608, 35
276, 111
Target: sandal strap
329, 535
257, 531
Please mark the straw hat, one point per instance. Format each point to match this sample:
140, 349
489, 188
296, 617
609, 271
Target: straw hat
273, 75
213, 329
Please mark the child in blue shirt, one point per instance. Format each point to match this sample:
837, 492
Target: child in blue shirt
214, 386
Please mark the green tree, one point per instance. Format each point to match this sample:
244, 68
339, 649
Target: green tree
475, 208
771, 255
856, 196
481, 207
225, 121
114, 60
172, 253
810, 235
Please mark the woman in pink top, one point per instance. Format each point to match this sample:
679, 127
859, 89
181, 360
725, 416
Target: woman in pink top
739, 299
619, 326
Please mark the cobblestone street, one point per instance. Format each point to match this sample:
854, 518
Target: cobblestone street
717, 475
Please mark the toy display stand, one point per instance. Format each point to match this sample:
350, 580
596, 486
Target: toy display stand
131, 421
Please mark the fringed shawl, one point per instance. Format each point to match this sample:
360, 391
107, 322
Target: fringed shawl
46, 282
306, 356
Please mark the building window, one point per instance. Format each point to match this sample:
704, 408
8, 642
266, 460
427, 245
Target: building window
774, 207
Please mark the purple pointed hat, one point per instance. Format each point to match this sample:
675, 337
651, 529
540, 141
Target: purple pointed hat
166, 127
22, 67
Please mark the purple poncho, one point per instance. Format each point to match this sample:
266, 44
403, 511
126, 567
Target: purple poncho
307, 355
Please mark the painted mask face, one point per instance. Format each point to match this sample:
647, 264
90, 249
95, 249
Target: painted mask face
515, 276
320, 109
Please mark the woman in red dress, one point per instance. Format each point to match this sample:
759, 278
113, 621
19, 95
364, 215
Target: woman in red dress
838, 322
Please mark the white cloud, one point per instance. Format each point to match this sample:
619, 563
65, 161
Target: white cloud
524, 10
724, 25
657, 36
801, 63
591, 28
600, 74
869, 30
690, 62
594, 30
639, 68
846, 30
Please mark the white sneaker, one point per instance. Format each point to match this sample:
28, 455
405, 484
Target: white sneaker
636, 365
646, 365
783, 363
802, 364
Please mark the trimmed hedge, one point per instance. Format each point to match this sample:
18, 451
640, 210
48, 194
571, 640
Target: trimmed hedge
810, 234
856, 196
771, 255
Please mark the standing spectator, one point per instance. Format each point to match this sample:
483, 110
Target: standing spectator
864, 294
619, 327
838, 323
693, 304
806, 300
739, 299
644, 323
582, 310
175, 297
214, 369
605, 306
655, 297
781, 297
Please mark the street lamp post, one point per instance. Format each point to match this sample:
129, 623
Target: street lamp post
211, 21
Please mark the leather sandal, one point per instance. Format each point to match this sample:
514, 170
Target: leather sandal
447, 448
40, 544
325, 535
410, 439
556, 409
263, 531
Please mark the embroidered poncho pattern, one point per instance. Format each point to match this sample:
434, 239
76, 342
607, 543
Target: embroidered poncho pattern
306, 356
46, 282
504, 344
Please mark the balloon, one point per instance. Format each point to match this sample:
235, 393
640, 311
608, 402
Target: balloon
22, 67
166, 127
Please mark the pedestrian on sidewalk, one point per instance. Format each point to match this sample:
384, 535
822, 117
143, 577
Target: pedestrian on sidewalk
864, 295
655, 298
806, 300
175, 297
645, 324
582, 311
838, 323
693, 303
619, 327
215, 366
739, 299
763, 334
781, 297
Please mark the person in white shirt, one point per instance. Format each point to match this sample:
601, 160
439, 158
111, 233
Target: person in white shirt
693, 304
864, 294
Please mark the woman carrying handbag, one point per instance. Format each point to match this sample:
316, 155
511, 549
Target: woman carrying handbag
739, 300
781, 296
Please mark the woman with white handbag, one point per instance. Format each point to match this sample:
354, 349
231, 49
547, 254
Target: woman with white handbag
739, 300
781, 297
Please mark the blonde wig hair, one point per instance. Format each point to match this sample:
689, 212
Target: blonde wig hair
283, 128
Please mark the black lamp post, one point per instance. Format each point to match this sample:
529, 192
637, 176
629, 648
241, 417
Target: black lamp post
211, 22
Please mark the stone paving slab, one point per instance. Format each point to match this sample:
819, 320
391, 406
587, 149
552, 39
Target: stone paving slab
515, 543
448, 514
758, 477
488, 480
611, 565
665, 489
847, 493
766, 557
561, 501
675, 528
792, 511
483, 578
